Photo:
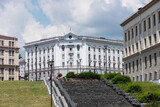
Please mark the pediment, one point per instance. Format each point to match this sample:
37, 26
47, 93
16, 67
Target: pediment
70, 36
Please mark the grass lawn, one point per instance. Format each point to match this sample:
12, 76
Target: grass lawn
23, 94
146, 86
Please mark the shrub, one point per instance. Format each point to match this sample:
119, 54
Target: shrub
88, 75
149, 97
133, 88
119, 79
71, 75
110, 75
59, 75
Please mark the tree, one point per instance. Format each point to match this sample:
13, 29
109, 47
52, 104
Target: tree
20, 57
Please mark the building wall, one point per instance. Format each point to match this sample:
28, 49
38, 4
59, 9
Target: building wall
64, 63
9, 58
142, 40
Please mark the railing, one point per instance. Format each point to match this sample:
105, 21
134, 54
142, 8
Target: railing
65, 94
55, 97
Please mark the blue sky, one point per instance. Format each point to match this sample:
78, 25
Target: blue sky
31, 20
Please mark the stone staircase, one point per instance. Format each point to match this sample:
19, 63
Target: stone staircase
94, 94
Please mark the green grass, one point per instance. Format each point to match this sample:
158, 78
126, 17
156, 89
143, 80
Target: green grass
23, 94
146, 86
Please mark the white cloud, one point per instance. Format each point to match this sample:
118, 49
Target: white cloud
133, 5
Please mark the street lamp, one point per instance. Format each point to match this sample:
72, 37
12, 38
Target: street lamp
106, 58
67, 66
28, 69
80, 64
100, 65
36, 60
77, 66
51, 63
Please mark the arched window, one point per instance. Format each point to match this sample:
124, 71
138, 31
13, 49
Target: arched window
63, 47
78, 47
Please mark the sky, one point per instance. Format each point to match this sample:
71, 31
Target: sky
31, 20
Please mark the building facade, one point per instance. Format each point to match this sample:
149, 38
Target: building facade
73, 53
22, 69
9, 58
142, 43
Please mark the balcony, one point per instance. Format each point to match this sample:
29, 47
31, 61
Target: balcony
70, 51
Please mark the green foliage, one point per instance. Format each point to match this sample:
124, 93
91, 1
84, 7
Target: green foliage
20, 57
59, 75
133, 88
26, 76
120, 79
149, 97
88, 75
110, 75
85, 75
71, 75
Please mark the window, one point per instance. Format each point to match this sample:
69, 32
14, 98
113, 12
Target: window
12, 43
132, 33
9, 43
154, 20
1, 42
137, 64
144, 25
94, 56
133, 48
48, 50
63, 56
1, 52
63, 64
78, 55
145, 43
149, 22
89, 48
133, 66
139, 28
71, 64
129, 50
78, 47
130, 67
99, 57
128, 35
155, 58
118, 59
155, 39
145, 60
108, 50
1, 61
94, 49
125, 37
70, 49
1, 70
99, 49
136, 31
159, 16
118, 51
11, 71
52, 49
63, 48
150, 60
89, 56
113, 51
113, 58
39, 51
150, 41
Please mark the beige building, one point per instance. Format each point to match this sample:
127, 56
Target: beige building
142, 43
9, 58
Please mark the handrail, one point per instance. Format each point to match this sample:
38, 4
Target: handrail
65, 94
56, 99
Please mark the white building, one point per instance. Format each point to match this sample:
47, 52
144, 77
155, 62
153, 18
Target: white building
22, 66
74, 53
142, 43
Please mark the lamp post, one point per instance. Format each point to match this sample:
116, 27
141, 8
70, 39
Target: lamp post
36, 60
100, 65
106, 58
77, 66
51, 63
80, 64
67, 66
28, 69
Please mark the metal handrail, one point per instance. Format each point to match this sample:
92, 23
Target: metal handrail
65, 94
